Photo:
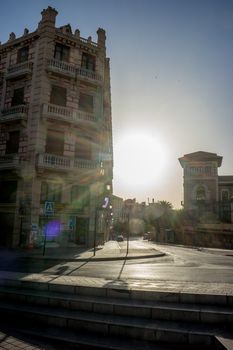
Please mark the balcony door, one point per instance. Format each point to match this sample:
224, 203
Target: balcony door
55, 142
6, 232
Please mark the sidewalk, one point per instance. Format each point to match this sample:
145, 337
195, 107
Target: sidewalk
110, 251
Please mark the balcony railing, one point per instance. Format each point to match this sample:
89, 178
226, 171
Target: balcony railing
51, 161
10, 161
89, 74
61, 67
88, 117
85, 163
69, 70
87, 41
19, 69
67, 114
14, 113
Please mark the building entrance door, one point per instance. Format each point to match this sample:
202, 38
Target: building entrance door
82, 227
6, 230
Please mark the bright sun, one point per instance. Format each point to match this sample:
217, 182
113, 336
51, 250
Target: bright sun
139, 160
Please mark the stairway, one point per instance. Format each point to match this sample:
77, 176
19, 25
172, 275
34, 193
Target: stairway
116, 318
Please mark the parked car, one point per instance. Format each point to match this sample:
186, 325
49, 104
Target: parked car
120, 238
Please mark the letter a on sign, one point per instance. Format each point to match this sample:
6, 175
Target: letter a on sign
49, 208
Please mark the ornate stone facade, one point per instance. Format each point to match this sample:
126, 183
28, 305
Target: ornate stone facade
206, 194
55, 133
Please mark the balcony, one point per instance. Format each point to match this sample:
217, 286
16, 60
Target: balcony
71, 71
89, 75
69, 115
9, 161
61, 68
19, 69
54, 162
61, 163
85, 164
19, 112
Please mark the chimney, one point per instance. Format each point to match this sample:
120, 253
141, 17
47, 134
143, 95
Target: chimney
101, 37
48, 17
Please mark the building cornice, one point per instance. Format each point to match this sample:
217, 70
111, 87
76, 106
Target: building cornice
23, 40
81, 43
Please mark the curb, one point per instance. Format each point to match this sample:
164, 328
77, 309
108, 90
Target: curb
159, 255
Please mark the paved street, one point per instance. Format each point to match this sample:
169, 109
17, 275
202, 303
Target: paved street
180, 264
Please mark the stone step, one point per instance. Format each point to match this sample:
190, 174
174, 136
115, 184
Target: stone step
122, 307
224, 342
113, 325
96, 287
69, 339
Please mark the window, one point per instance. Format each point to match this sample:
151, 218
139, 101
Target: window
83, 149
225, 195
208, 170
200, 194
61, 52
12, 144
23, 54
58, 95
80, 196
18, 97
51, 191
8, 190
86, 102
88, 61
55, 142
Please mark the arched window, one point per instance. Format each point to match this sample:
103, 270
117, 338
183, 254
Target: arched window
200, 193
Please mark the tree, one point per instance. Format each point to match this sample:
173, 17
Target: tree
165, 205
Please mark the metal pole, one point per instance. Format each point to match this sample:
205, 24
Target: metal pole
21, 229
127, 250
45, 236
95, 228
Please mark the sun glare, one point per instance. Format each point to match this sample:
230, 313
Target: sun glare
139, 160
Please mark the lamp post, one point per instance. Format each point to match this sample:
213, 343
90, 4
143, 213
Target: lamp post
95, 231
104, 205
128, 207
22, 212
128, 221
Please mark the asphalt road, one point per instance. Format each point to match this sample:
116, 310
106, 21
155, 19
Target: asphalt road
180, 264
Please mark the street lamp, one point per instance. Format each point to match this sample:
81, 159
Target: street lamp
104, 204
22, 212
128, 207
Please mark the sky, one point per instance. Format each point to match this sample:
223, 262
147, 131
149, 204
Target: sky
171, 82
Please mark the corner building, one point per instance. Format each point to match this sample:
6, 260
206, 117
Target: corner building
55, 135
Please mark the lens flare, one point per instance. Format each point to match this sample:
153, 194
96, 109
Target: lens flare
52, 229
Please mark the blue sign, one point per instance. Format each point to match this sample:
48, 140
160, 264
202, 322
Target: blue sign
72, 223
49, 208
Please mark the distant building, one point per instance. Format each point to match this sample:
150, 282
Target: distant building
206, 194
117, 208
55, 133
